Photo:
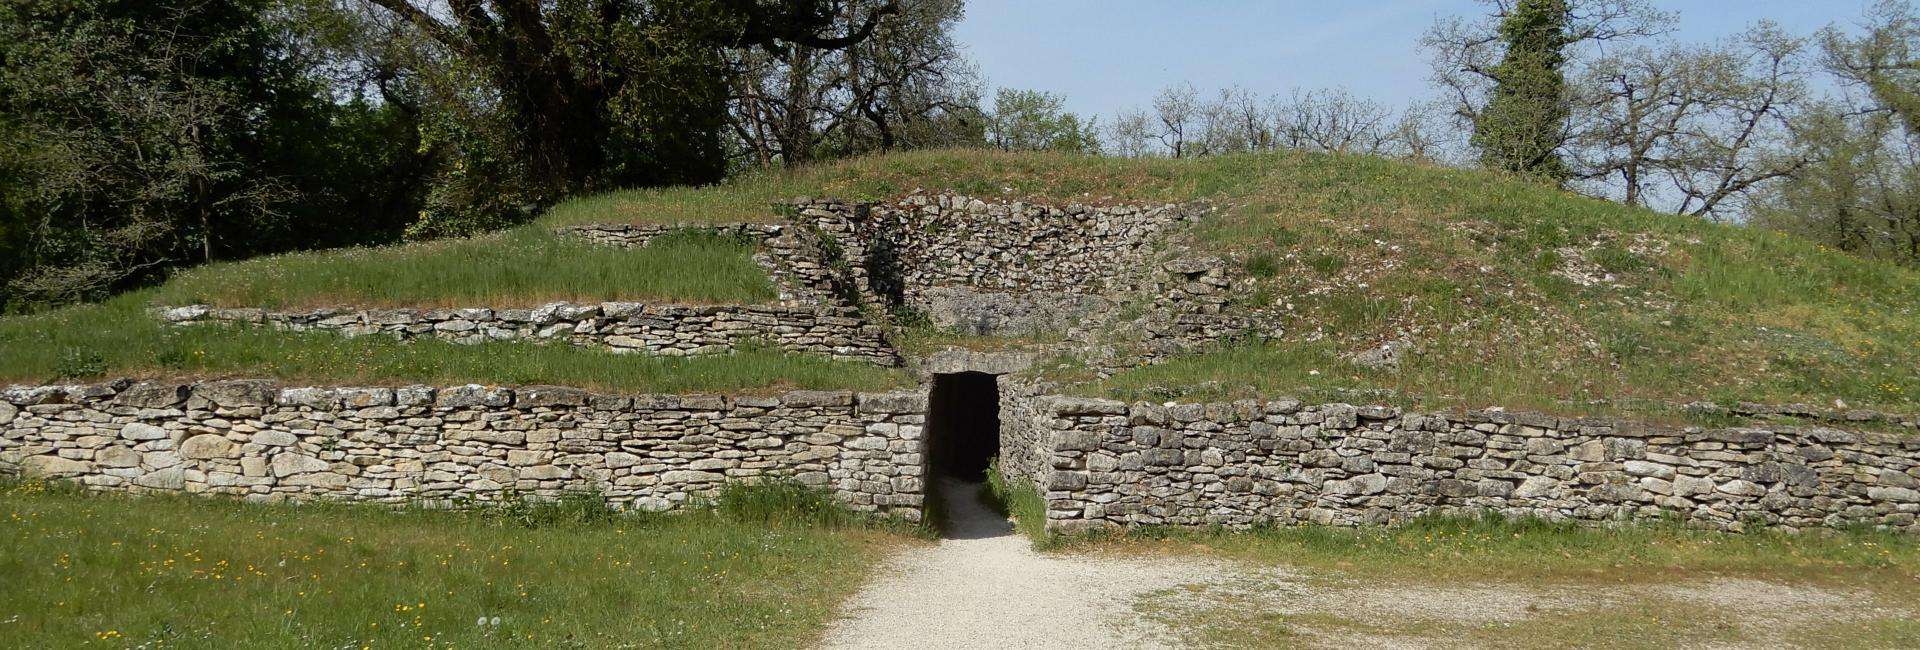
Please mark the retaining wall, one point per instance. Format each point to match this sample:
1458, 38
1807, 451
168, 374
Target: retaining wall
1112, 464
263, 442
666, 330
1098, 463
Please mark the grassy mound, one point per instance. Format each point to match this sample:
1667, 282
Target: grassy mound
1503, 292
1500, 291
1512, 293
756, 571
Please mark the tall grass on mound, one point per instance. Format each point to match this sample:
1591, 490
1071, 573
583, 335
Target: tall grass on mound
119, 338
522, 267
202, 572
1051, 177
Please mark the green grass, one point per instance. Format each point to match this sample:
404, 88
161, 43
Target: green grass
1466, 265
94, 570
1033, 176
522, 267
1020, 501
1357, 251
1439, 550
119, 338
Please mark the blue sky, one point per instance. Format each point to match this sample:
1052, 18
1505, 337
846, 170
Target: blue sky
1112, 55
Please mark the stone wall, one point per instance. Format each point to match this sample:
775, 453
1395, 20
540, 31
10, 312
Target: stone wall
994, 268
262, 442
1244, 463
667, 330
979, 267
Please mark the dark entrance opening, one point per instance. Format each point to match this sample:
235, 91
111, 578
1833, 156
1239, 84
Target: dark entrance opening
963, 425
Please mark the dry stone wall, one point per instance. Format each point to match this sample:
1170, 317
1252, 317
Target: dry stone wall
665, 330
1238, 464
994, 268
981, 267
255, 440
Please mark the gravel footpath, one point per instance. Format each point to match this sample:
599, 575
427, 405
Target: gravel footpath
985, 587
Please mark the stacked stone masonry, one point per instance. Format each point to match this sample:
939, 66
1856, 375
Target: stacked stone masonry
1244, 463
665, 330
466, 443
995, 268
966, 263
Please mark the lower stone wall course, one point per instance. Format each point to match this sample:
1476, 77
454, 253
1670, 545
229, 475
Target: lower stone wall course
1098, 463
258, 441
1246, 463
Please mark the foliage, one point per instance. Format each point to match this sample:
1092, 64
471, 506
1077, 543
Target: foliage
151, 134
609, 93
1524, 123
192, 570
905, 87
1699, 128
1182, 123
1031, 120
1861, 191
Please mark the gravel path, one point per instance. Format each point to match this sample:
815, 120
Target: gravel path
985, 587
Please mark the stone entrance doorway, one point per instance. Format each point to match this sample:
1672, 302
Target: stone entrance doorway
963, 425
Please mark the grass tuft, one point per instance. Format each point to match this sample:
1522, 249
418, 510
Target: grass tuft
1022, 502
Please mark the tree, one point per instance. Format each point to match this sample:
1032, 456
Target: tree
1503, 76
603, 93
1031, 120
1698, 128
1525, 122
1860, 192
905, 87
1335, 121
1176, 109
147, 134
1182, 124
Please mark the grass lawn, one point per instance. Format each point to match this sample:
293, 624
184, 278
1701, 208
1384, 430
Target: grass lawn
118, 338
764, 569
1472, 583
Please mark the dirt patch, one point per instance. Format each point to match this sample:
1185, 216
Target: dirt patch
985, 587
1295, 609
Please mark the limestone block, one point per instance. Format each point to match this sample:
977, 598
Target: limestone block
140, 431
208, 446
